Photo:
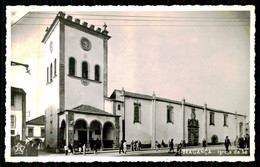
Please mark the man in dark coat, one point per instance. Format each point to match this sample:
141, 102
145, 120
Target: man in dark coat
171, 146
227, 143
121, 147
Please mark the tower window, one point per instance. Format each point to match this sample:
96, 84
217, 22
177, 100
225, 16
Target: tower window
47, 74
84, 70
55, 70
97, 73
212, 119
51, 72
118, 107
169, 114
137, 113
72, 66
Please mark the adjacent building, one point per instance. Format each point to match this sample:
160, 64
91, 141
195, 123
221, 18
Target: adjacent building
78, 109
18, 114
35, 129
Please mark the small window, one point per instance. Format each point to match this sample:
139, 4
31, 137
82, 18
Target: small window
12, 99
30, 132
212, 119
55, 68
225, 120
137, 113
51, 72
12, 132
97, 132
97, 73
72, 66
13, 121
118, 107
42, 132
169, 114
84, 70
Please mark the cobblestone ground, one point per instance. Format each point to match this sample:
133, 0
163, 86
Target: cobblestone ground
190, 151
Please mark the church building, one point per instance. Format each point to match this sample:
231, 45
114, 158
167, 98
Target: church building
78, 108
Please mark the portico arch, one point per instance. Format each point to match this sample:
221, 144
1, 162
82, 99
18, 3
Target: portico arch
108, 134
95, 133
80, 132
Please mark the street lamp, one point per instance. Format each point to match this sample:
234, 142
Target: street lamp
21, 64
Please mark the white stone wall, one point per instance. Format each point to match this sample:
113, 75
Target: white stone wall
138, 131
52, 97
93, 93
166, 131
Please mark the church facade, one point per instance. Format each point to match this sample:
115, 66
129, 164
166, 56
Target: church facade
80, 110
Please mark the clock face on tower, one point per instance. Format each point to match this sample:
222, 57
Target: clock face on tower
85, 44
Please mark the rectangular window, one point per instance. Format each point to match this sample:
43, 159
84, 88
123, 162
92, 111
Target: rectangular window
169, 114
12, 132
212, 119
118, 107
30, 132
225, 120
42, 132
137, 113
13, 121
12, 99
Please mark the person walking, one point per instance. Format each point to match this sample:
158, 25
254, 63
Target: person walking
139, 145
171, 146
124, 146
121, 148
84, 149
227, 143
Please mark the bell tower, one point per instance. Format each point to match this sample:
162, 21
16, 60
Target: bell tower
76, 67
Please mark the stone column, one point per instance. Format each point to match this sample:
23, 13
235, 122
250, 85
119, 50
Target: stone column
206, 122
71, 127
88, 144
183, 119
101, 138
236, 124
153, 121
67, 130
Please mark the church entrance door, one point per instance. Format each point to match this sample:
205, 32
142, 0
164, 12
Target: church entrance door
193, 132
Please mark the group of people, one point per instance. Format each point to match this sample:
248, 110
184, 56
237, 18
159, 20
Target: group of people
94, 145
136, 145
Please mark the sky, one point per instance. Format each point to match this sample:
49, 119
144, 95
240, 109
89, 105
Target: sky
202, 56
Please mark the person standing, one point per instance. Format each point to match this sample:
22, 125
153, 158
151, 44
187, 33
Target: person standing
156, 145
96, 146
204, 143
227, 143
125, 146
66, 149
84, 149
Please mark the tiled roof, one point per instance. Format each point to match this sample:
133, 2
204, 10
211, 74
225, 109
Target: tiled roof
17, 90
37, 121
91, 110
149, 97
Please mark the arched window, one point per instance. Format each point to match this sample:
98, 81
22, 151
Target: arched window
55, 72
47, 74
51, 72
72, 66
169, 114
97, 73
84, 70
137, 113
